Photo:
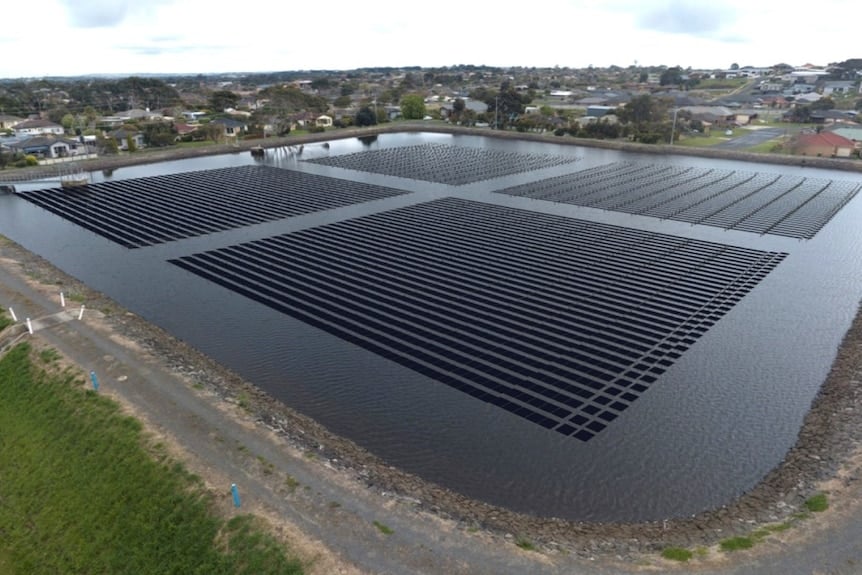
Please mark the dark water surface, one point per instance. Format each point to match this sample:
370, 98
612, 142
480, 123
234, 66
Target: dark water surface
708, 428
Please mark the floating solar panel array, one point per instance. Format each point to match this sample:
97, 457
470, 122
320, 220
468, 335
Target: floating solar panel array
563, 322
764, 203
148, 211
444, 164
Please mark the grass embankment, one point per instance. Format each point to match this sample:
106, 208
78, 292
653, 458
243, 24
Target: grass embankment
83, 491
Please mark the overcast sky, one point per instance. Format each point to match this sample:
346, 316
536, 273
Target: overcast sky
75, 37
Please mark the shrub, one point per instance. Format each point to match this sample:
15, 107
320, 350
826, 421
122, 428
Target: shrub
817, 503
677, 554
736, 543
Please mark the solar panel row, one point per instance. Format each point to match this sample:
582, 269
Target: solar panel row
444, 164
786, 205
147, 211
562, 322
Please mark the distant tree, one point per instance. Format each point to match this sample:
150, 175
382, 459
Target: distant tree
734, 66
68, 122
342, 102
647, 119
506, 105
601, 130
56, 114
321, 83
212, 131
458, 106
220, 100
643, 77
641, 109
130, 144
108, 146
365, 117
412, 107
799, 114
348, 88
409, 81
467, 117
159, 134
823, 104
671, 77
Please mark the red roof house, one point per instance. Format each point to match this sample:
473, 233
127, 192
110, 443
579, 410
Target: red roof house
825, 144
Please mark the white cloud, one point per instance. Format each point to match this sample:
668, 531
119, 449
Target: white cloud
191, 36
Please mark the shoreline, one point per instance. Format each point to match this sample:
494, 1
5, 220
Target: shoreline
155, 155
828, 438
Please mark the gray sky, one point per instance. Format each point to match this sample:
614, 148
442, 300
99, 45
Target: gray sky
74, 37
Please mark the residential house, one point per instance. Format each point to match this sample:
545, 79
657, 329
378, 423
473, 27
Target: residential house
600, 111
833, 116
8, 122
825, 144
49, 147
193, 116
123, 137
139, 114
184, 129
771, 86
838, 88
302, 120
477, 106
37, 128
392, 112
232, 128
807, 98
854, 134
714, 115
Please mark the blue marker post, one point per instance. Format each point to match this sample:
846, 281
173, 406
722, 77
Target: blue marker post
95, 380
235, 493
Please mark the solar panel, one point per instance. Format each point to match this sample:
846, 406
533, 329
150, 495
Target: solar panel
540, 315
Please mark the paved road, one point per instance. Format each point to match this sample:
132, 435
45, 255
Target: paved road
335, 512
751, 138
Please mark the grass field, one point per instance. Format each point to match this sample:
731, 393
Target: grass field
701, 141
83, 491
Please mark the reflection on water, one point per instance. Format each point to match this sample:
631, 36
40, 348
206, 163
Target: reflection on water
710, 427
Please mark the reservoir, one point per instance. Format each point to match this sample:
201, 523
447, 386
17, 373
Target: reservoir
559, 330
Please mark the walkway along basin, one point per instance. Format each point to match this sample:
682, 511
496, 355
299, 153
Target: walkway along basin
706, 421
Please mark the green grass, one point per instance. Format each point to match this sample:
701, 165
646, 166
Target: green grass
385, 529
769, 147
817, 503
291, 483
82, 491
701, 141
721, 83
525, 544
201, 144
75, 297
5, 320
677, 554
49, 355
736, 543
